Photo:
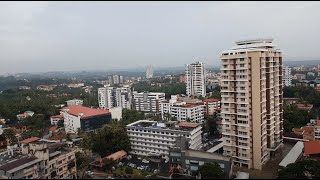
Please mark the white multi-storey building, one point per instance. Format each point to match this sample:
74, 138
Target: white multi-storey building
148, 102
183, 111
149, 72
110, 97
75, 102
195, 79
251, 104
286, 76
151, 137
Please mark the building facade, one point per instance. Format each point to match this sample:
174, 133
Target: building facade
74, 102
286, 77
189, 160
151, 137
182, 111
195, 79
148, 102
211, 106
110, 97
38, 159
84, 118
251, 104
55, 119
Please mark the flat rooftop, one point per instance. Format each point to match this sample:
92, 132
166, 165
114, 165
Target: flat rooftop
18, 161
206, 155
173, 125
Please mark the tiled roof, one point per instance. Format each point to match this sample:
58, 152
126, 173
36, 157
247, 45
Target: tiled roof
29, 140
318, 122
311, 147
191, 105
211, 100
57, 116
86, 112
17, 163
186, 124
117, 155
23, 115
53, 128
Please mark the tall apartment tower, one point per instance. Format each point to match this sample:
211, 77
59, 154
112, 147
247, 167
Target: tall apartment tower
286, 76
195, 79
149, 72
251, 92
110, 97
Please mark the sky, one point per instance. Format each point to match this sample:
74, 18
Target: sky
70, 36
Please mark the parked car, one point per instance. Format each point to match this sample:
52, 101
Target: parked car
166, 161
139, 157
155, 171
145, 161
129, 157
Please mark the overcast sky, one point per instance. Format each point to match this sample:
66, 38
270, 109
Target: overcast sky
59, 36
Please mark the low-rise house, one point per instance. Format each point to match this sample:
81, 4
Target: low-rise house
290, 101
312, 149
74, 102
55, 119
189, 160
306, 107
307, 132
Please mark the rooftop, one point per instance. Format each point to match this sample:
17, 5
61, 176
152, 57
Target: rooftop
29, 140
16, 162
318, 123
293, 154
183, 126
206, 155
117, 155
311, 147
57, 116
211, 100
85, 112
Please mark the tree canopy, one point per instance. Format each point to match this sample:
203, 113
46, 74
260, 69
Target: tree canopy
211, 171
305, 169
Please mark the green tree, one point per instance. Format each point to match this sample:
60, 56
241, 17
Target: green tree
211, 171
129, 170
10, 136
108, 164
305, 169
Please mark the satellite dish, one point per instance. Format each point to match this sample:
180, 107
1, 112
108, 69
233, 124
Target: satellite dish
1, 131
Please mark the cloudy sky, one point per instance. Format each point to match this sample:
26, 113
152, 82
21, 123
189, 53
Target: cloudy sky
61, 36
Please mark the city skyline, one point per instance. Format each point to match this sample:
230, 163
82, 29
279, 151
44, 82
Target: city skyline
74, 36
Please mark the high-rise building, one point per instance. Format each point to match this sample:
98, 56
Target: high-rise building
286, 77
116, 79
121, 79
148, 102
110, 80
110, 97
251, 104
195, 79
149, 72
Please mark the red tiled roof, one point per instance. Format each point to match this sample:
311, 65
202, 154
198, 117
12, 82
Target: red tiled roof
53, 128
318, 122
117, 155
211, 100
191, 105
29, 140
23, 115
87, 112
311, 147
57, 116
187, 124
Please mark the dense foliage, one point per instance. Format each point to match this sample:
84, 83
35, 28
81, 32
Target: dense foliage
168, 89
305, 169
107, 140
211, 171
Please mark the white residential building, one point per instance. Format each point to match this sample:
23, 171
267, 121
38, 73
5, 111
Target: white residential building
211, 106
151, 137
195, 79
317, 130
183, 111
110, 97
251, 102
286, 76
55, 119
75, 102
148, 101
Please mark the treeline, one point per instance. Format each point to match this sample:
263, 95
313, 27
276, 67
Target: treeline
168, 89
